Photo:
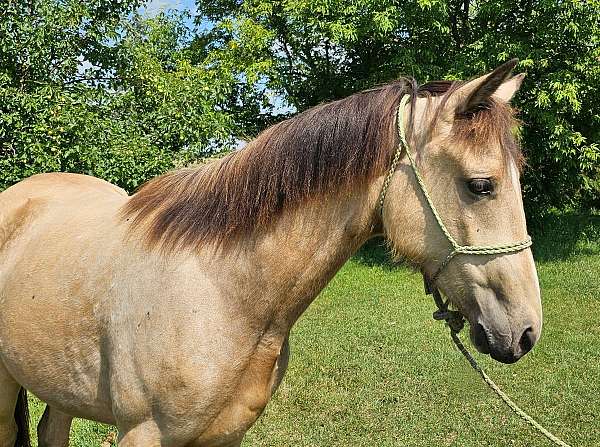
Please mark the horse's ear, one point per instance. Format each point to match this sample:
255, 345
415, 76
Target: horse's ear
508, 88
475, 94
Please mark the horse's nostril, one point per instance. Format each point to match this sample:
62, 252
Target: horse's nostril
527, 340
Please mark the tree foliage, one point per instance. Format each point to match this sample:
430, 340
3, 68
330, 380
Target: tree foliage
93, 87
306, 52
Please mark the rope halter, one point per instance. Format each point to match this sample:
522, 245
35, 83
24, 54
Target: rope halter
456, 247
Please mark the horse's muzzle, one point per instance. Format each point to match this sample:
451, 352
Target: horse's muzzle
486, 343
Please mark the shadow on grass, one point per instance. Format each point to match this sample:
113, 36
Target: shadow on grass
375, 252
561, 236
556, 237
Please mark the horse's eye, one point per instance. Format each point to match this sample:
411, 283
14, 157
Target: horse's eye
480, 186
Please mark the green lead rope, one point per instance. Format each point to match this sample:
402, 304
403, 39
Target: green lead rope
456, 322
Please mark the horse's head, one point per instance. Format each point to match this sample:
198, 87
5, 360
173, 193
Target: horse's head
465, 151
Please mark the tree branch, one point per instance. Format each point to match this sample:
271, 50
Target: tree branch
454, 12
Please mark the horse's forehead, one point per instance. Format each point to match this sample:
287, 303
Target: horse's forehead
514, 174
483, 156
470, 157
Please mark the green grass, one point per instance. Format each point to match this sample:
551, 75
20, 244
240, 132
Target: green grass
369, 367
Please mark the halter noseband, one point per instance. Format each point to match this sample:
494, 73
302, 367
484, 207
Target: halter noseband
456, 247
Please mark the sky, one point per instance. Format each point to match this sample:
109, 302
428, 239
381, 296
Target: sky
153, 7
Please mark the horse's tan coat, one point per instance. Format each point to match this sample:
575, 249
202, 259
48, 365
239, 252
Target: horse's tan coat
187, 348
204, 325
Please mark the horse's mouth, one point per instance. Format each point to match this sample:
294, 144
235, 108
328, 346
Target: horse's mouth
480, 339
487, 343
484, 342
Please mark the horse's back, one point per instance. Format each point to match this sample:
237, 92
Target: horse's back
23, 202
54, 186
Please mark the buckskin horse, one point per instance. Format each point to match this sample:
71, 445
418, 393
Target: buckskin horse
167, 313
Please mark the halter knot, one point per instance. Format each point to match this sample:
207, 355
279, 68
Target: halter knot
453, 319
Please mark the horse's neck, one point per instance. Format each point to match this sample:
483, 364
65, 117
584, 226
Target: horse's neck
286, 268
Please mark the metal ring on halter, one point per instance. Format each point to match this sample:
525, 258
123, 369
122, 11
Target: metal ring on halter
457, 249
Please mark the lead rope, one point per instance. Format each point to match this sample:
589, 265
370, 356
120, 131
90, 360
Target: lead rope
456, 322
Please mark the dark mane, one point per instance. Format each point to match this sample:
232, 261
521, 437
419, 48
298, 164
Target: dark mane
342, 144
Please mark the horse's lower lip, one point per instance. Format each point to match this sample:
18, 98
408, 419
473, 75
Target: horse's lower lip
484, 344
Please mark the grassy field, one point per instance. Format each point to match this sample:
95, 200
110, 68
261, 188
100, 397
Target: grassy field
369, 367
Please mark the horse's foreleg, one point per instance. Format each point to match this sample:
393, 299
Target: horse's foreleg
53, 429
8, 399
281, 365
9, 391
235, 444
146, 434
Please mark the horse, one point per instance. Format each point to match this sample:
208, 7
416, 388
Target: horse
167, 313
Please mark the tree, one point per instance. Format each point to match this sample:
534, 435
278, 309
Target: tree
306, 52
92, 87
